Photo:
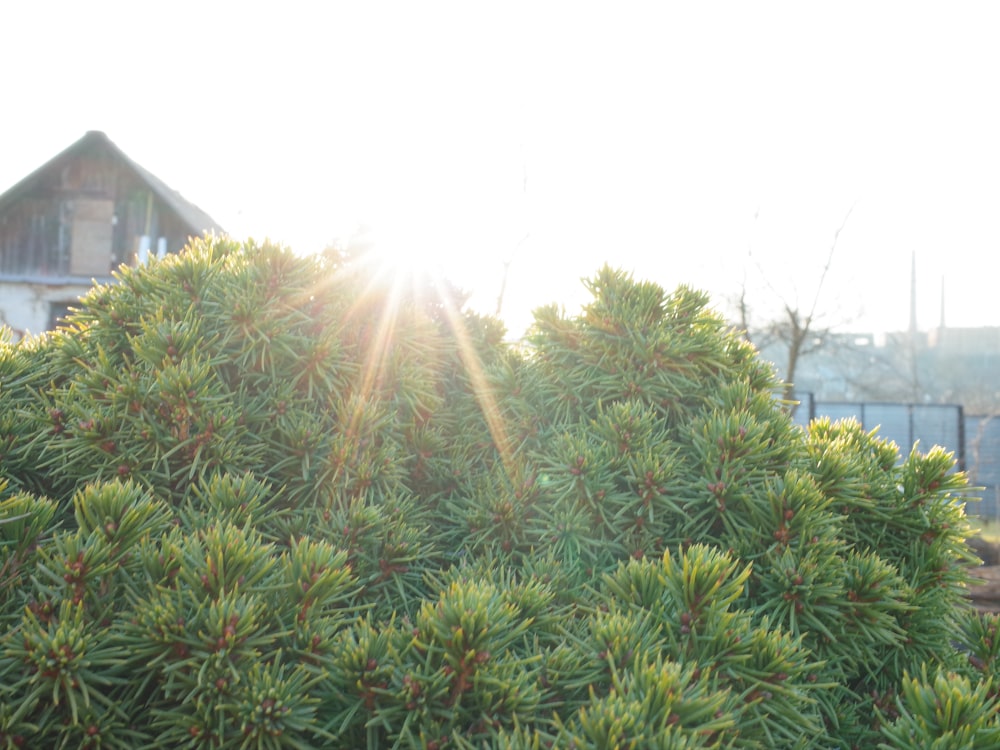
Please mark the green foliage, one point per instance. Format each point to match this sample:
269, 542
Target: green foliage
947, 711
249, 499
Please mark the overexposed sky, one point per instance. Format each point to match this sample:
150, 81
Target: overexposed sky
703, 143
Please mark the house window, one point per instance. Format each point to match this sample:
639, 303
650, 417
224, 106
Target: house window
90, 249
71, 237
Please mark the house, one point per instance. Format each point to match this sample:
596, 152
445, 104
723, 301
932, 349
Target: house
75, 219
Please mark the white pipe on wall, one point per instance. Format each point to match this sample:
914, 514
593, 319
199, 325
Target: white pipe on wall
143, 255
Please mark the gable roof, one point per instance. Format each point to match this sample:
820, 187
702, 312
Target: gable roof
197, 220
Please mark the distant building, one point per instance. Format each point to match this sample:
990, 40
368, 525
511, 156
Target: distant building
965, 341
944, 365
75, 219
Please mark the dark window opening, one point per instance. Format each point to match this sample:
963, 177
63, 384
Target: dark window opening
57, 313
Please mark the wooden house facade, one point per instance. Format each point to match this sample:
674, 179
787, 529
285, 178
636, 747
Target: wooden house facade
77, 218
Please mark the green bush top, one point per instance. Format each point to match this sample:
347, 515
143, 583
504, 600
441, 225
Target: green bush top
257, 500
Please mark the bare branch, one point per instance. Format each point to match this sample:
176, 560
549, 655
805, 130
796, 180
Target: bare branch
829, 262
506, 263
506, 270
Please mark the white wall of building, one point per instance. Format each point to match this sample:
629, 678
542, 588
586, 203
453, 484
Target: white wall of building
27, 308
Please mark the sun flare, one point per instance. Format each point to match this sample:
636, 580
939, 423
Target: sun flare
407, 273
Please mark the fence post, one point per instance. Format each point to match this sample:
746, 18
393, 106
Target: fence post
909, 420
961, 438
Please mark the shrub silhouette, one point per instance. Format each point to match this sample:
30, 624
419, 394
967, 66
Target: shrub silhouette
257, 500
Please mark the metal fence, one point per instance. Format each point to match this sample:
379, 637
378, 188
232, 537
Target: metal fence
983, 450
975, 441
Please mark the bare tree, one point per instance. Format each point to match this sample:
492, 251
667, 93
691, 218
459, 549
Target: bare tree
795, 329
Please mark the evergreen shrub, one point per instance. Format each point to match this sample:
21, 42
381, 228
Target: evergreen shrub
255, 500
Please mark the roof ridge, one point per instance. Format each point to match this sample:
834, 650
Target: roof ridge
191, 214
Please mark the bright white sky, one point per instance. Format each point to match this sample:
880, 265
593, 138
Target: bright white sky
650, 136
